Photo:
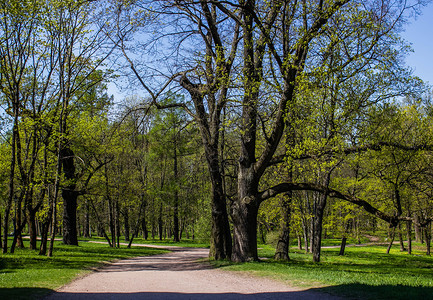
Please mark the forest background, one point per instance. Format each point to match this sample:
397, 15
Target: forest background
262, 120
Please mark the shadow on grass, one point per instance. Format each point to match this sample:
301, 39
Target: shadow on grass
350, 291
24, 293
364, 291
357, 291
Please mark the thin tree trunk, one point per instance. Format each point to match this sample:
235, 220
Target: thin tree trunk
69, 195
144, 224
400, 237
317, 226
409, 236
305, 231
391, 241
44, 232
176, 192
18, 239
1, 244
418, 230
117, 222
126, 225
54, 211
137, 225
11, 183
86, 229
160, 225
299, 241
428, 235
101, 230
343, 246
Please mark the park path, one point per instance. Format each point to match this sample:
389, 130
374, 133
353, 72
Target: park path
176, 275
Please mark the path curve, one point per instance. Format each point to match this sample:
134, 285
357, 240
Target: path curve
176, 275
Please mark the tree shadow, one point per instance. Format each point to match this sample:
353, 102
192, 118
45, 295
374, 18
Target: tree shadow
365, 291
193, 296
344, 291
24, 293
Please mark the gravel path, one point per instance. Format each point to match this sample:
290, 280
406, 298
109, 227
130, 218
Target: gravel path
176, 275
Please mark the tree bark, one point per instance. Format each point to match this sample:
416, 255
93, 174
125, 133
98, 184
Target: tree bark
11, 180
428, 236
126, 224
400, 237
69, 195
317, 224
283, 244
117, 222
144, 223
86, 229
391, 241
176, 192
409, 236
244, 214
343, 246
418, 230
32, 228
45, 229
299, 241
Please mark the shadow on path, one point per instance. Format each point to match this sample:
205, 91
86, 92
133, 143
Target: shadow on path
197, 296
352, 291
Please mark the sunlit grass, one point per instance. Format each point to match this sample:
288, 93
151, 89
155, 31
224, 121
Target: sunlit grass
364, 272
25, 273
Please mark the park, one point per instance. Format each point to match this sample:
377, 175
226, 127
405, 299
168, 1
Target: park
213, 149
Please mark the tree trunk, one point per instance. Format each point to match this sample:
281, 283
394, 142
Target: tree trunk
305, 231
427, 231
409, 236
221, 240
299, 241
44, 231
126, 225
400, 237
244, 214
69, 195
86, 229
1, 245
32, 228
117, 222
176, 193
282, 249
18, 239
418, 230
391, 241
11, 182
317, 223
343, 246
144, 225
160, 225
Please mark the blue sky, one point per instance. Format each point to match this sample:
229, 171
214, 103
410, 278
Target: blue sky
420, 34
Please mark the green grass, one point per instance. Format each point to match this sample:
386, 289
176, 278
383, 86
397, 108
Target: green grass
25, 274
364, 272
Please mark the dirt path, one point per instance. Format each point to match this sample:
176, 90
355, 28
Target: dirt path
176, 275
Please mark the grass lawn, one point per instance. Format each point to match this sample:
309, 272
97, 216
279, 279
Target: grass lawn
26, 275
364, 272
